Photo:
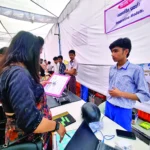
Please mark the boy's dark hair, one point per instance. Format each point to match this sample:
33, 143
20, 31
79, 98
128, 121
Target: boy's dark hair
60, 56
41, 61
49, 62
72, 52
3, 50
55, 58
124, 43
44, 59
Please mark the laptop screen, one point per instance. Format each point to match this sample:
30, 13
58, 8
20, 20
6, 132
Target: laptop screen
85, 139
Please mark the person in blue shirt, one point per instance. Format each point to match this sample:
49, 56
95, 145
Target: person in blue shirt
62, 66
127, 85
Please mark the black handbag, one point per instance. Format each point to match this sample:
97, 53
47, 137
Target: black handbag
36, 145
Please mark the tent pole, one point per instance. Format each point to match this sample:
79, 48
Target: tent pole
59, 40
42, 8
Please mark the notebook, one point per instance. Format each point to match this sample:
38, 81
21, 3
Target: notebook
64, 118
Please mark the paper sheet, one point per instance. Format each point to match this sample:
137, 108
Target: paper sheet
57, 85
63, 144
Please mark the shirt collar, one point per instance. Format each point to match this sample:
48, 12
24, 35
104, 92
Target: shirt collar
125, 66
72, 61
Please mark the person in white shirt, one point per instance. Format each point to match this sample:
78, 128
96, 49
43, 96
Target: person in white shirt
49, 68
72, 71
56, 65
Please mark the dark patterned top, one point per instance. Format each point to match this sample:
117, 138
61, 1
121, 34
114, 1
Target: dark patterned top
62, 68
21, 95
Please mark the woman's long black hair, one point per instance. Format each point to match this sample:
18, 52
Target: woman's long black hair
24, 48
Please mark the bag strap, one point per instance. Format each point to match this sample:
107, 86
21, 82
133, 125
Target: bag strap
3, 121
15, 141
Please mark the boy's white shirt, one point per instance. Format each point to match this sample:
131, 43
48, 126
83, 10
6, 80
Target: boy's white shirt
56, 68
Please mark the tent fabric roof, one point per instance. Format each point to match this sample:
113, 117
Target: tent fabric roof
26, 16
17, 15
68, 9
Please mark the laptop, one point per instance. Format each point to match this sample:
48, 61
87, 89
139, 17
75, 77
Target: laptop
85, 139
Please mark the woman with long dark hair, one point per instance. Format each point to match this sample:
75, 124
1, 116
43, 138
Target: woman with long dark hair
22, 95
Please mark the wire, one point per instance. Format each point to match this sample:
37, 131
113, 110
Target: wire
102, 118
110, 137
104, 137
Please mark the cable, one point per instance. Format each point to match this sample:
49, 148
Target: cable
110, 137
104, 137
102, 118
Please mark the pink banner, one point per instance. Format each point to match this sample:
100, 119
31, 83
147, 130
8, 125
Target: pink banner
124, 13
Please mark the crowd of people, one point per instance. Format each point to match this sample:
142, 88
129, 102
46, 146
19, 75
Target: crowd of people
22, 95
23, 98
46, 68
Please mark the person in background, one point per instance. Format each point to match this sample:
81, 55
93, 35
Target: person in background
2, 114
41, 60
2, 51
62, 66
127, 85
72, 71
23, 97
56, 65
45, 64
49, 68
42, 68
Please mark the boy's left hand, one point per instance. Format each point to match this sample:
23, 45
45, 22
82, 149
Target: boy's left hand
115, 92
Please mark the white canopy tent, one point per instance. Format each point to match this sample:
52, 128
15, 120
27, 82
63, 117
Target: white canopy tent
36, 16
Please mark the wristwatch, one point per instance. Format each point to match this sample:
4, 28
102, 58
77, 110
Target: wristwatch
57, 126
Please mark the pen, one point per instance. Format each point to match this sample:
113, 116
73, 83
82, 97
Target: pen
68, 135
